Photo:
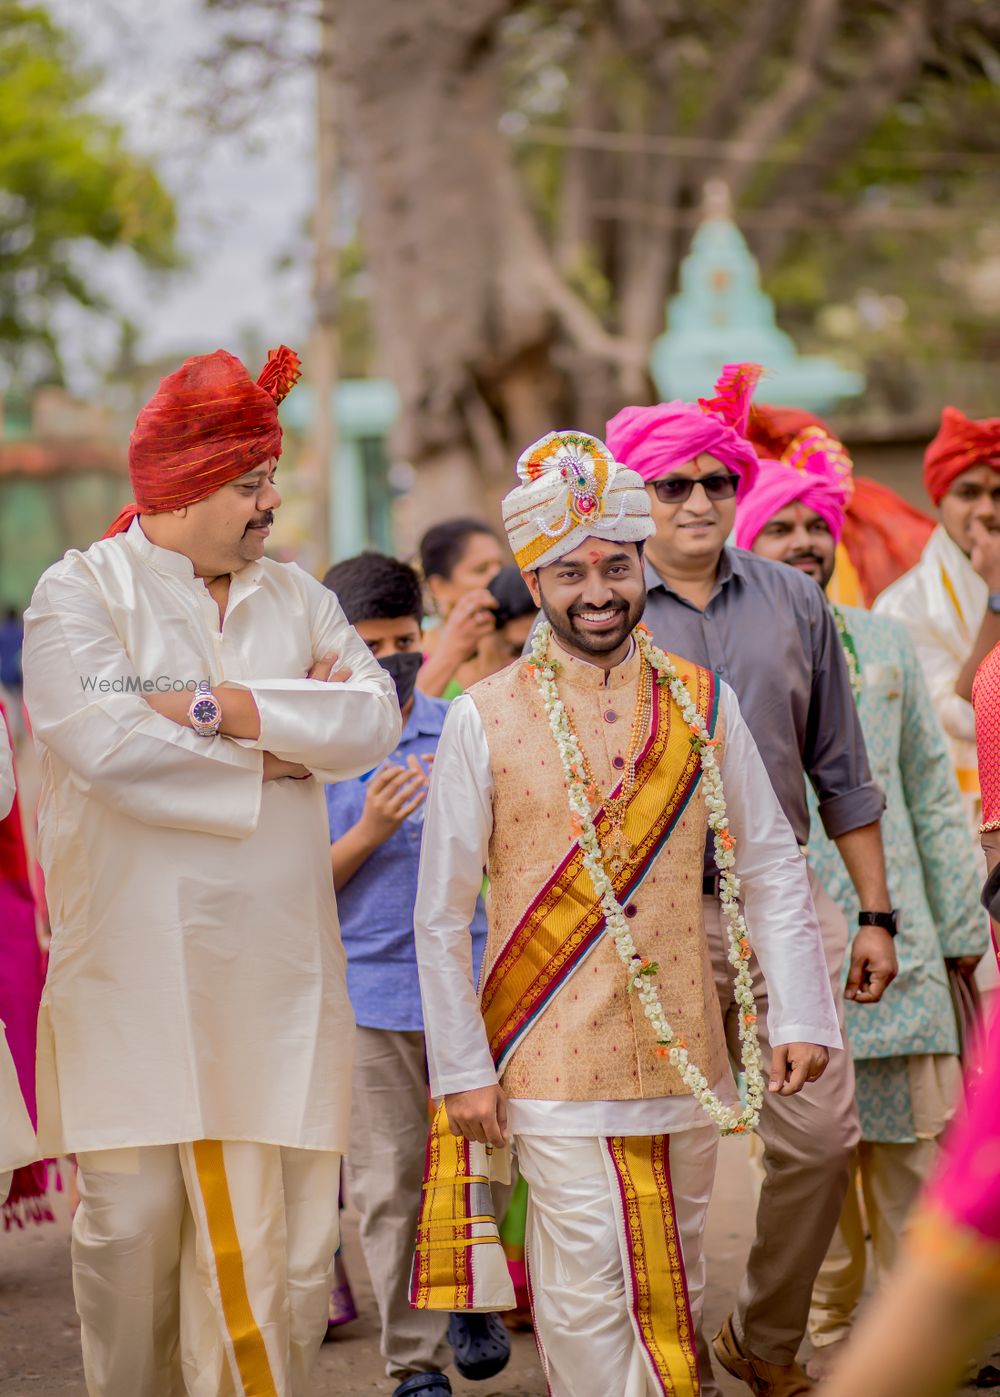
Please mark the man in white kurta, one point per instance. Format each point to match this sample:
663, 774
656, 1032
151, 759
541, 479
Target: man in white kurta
195, 1033
587, 1082
950, 602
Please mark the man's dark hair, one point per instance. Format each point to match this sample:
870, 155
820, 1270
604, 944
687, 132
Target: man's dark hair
442, 546
375, 587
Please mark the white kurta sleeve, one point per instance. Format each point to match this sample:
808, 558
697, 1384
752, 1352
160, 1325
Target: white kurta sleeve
338, 730
118, 749
938, 643
457, 826
778, 906
7, 788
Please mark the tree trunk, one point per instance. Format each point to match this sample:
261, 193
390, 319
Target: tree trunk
477, 327
449, 244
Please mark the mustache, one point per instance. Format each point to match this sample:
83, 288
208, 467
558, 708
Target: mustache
806, 556
264, 522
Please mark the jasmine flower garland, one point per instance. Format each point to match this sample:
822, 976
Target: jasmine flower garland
642, 972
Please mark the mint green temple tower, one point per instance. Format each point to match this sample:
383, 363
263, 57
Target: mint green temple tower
721, 316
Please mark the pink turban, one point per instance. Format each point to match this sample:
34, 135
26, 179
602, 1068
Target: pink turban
656, 440
814, 470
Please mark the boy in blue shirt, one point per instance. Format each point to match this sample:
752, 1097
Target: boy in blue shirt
376, 823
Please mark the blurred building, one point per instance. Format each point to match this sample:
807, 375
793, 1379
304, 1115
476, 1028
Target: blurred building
63, 478
366, 485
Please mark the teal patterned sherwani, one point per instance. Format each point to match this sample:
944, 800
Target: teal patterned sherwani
933, 877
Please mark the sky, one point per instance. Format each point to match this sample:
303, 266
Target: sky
243, 199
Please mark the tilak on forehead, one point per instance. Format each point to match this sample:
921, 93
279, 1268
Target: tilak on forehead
572, 489
207, 424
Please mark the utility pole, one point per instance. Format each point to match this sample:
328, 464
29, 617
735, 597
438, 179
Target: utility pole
322, 369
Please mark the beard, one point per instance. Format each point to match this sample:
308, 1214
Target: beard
824, 568
577, 637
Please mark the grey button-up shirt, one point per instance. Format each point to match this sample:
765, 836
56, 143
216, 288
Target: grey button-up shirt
769, 633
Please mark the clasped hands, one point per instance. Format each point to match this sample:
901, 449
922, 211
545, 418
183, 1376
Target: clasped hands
241, 718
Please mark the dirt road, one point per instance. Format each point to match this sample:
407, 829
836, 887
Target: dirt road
39, 1337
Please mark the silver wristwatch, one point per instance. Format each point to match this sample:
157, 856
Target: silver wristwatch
205, 713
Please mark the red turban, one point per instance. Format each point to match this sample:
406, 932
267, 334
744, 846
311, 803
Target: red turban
205, 425
883, 535
959, 445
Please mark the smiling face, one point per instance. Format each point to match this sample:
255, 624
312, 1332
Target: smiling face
972, 496
226, 531
800, 537
233, 525
695, 530
593, 598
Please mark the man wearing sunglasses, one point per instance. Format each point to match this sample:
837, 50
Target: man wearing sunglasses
767, 632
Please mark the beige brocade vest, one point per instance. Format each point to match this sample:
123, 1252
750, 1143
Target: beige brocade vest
593, 1042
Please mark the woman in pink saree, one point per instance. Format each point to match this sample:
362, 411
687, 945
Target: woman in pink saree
21, 976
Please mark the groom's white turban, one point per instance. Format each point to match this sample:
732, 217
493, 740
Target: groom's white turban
572, 488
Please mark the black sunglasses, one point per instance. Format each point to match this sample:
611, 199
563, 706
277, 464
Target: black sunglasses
675, 489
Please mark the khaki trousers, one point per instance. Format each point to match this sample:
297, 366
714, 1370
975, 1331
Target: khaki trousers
587, 1336
808, 1148
385, 1171
890, 1178
203, 1270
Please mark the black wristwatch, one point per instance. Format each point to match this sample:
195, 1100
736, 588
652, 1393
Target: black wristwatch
888, 921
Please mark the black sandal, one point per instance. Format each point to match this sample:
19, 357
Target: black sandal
420, 1384
480, 1343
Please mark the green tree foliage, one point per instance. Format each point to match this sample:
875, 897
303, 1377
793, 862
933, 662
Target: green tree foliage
859, 140
68, 184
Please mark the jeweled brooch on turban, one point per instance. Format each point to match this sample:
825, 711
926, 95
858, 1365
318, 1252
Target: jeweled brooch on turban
584, 464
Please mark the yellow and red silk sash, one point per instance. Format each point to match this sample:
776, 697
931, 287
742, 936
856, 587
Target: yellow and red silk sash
565, 920
655, 1282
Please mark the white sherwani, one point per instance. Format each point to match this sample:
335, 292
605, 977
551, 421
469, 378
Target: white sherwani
942, 602
196, 984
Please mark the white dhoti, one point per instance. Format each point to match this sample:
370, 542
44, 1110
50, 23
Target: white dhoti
612, 1315
203, 1270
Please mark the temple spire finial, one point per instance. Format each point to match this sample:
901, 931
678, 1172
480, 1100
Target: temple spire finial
716, 200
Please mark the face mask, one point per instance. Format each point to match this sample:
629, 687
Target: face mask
404, 666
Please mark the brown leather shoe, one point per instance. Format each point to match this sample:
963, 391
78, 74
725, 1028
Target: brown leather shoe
763, 1378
